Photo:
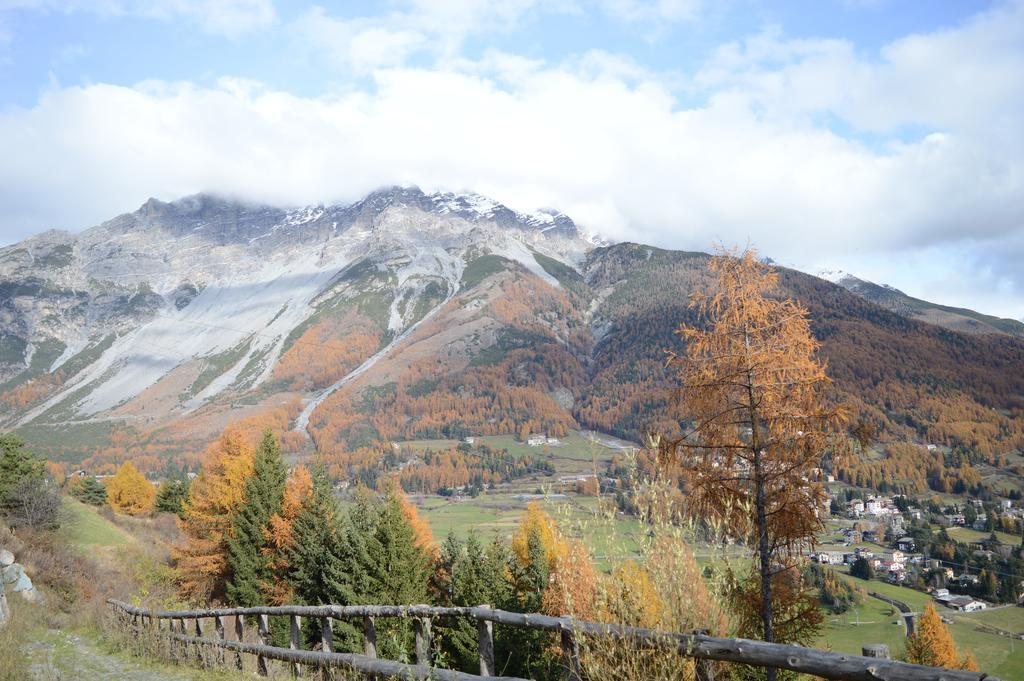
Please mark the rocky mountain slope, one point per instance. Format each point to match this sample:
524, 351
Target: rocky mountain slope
407, 315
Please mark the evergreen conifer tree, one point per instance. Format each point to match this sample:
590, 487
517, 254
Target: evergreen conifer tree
323, 565
264, 491
89, 490
402, 573
525, 652
171, 496
17, 465
470, 586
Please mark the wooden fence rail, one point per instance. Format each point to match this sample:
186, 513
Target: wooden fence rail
702, 647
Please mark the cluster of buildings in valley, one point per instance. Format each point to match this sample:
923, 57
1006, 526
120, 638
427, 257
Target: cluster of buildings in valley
882, 518
899, 565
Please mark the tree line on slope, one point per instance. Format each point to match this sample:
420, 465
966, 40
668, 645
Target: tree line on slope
256, 533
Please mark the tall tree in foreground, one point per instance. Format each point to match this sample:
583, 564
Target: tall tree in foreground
214, 497
758, 425
932, 644
249, 542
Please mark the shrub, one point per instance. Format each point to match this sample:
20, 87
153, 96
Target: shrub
33, 503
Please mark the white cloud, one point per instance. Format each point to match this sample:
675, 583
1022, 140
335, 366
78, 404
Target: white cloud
598, 136
224, 17
653, 10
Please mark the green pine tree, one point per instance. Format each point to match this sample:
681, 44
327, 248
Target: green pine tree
18, 466
525, 652
476, 579
402, 573
89, 490
171, 496
322, 565
247, 559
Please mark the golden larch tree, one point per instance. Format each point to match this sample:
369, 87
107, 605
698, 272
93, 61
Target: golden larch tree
129, 492
424, 535
573, 586
214, 497
756, 423
932, 644
281, 532
536, 520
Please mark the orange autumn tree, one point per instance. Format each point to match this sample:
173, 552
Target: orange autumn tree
757, 426
215, 495
572, 585
281, 532
129, 492
536, 520
932, 644
424, 535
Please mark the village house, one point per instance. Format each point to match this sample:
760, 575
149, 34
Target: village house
897, 576
830, 557
905, 543
965, 604
967, 580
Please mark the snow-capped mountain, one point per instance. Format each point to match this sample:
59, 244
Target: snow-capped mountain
404, 315
122, 306
891, 298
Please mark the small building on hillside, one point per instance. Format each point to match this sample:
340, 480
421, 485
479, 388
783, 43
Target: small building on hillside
905, 544
965, 604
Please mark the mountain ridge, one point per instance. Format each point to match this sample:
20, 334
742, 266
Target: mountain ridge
411, 315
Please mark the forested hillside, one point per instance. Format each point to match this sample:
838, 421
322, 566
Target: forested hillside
407, 316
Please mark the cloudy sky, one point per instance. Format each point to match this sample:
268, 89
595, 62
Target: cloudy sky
881, 137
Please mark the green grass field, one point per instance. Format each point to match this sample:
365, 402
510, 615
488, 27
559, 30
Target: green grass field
872, 622
915, 599
1011, 618
86, 529
998, 655
965, 534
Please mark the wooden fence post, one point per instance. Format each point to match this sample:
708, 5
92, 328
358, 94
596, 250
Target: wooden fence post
240, 635
571, 655
326, 644
369, 637
218, 625
421, 625
704, 668
173, 645
485, 645
293, 641
327, 634
875, 650
200, 647
263, 625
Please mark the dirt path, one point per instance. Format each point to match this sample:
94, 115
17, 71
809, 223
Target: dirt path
64, 656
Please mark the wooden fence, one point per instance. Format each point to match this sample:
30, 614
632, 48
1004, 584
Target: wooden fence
185, 634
